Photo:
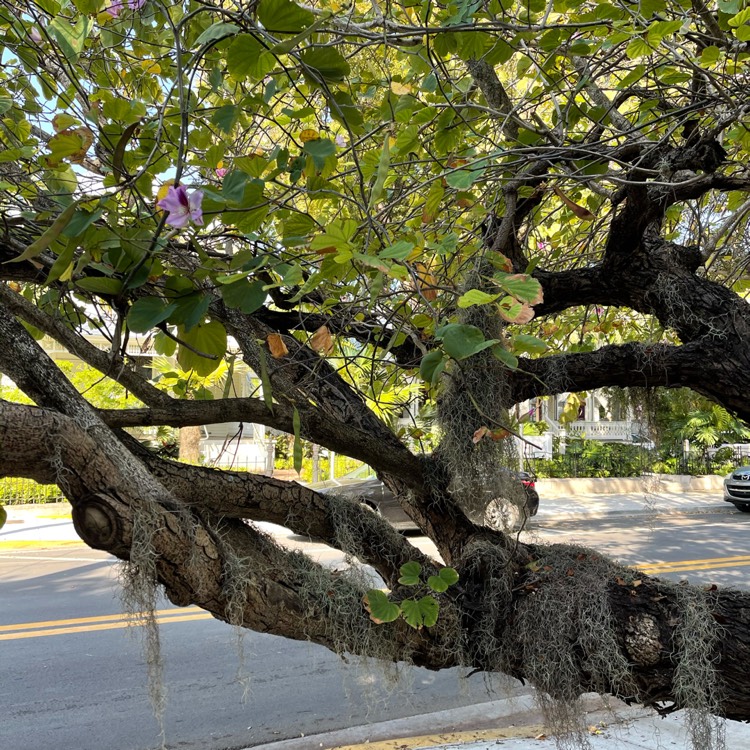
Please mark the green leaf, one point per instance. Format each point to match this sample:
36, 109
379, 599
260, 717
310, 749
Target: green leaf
338, 235
449, 575
381, 609
423, 612
531, 344
63, 265
148, 312
244, 295
741, 18
164, 345
297, 450
327, 62
508, 359
410, 573
639, 47
283, 16
320, 149
209, 338
233, 186
431, 366
345, 110
248, 58
81, 222
437, 584
215, 32
265, 379
397, 251
382, 172
71, 38
225, 117
521, 286
100, 285
476, 297
461, 341
462, 179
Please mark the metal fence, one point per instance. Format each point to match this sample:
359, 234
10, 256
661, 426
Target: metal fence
16, 491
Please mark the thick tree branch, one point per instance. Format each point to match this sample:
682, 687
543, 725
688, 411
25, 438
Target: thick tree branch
109, 364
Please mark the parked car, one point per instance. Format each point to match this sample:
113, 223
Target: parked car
737, 488
498, 513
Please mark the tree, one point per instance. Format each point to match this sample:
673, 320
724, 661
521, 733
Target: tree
507, 200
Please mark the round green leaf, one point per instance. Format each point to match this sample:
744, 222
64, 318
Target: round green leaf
461, 341
328, 62
421, 612
208, 338
148, 312
381, 609
437, 584
449, 575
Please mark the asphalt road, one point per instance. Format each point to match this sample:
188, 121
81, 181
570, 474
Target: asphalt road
73, 676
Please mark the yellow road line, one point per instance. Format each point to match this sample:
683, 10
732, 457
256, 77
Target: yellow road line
39, 544
99, 626
687, 565
444, 738
84, 620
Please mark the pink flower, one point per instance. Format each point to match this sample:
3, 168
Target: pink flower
340, 141
117, 5
181, 208
221, 172
35, 35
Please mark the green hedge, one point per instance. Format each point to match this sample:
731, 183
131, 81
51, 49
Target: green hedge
18, 491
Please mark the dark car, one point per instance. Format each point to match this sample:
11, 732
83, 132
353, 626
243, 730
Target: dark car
737, 488
498, 513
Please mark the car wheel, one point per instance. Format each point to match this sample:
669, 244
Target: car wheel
504, 516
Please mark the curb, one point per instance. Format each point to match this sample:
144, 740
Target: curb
599, 515
493, 721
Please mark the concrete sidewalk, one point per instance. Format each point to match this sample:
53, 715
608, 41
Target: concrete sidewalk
516, 724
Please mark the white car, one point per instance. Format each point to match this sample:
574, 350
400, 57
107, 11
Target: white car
737, 488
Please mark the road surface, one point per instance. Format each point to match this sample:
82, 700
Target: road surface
74, 679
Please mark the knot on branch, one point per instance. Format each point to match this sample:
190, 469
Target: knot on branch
642, 640
96, 521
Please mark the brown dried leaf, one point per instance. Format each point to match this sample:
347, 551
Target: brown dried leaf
480, 433
322, 341
276, 346
426, 282
579, 211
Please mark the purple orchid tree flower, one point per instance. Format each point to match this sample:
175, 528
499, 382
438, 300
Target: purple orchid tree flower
117, 5
182, 209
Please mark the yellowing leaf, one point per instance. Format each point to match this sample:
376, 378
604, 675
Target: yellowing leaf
71, 144
426, 282
151, 66
400, 88
63, 121
514, 311
322, 341
276, 346
309, 135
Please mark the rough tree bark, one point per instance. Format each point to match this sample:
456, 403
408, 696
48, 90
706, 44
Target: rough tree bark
204, 552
